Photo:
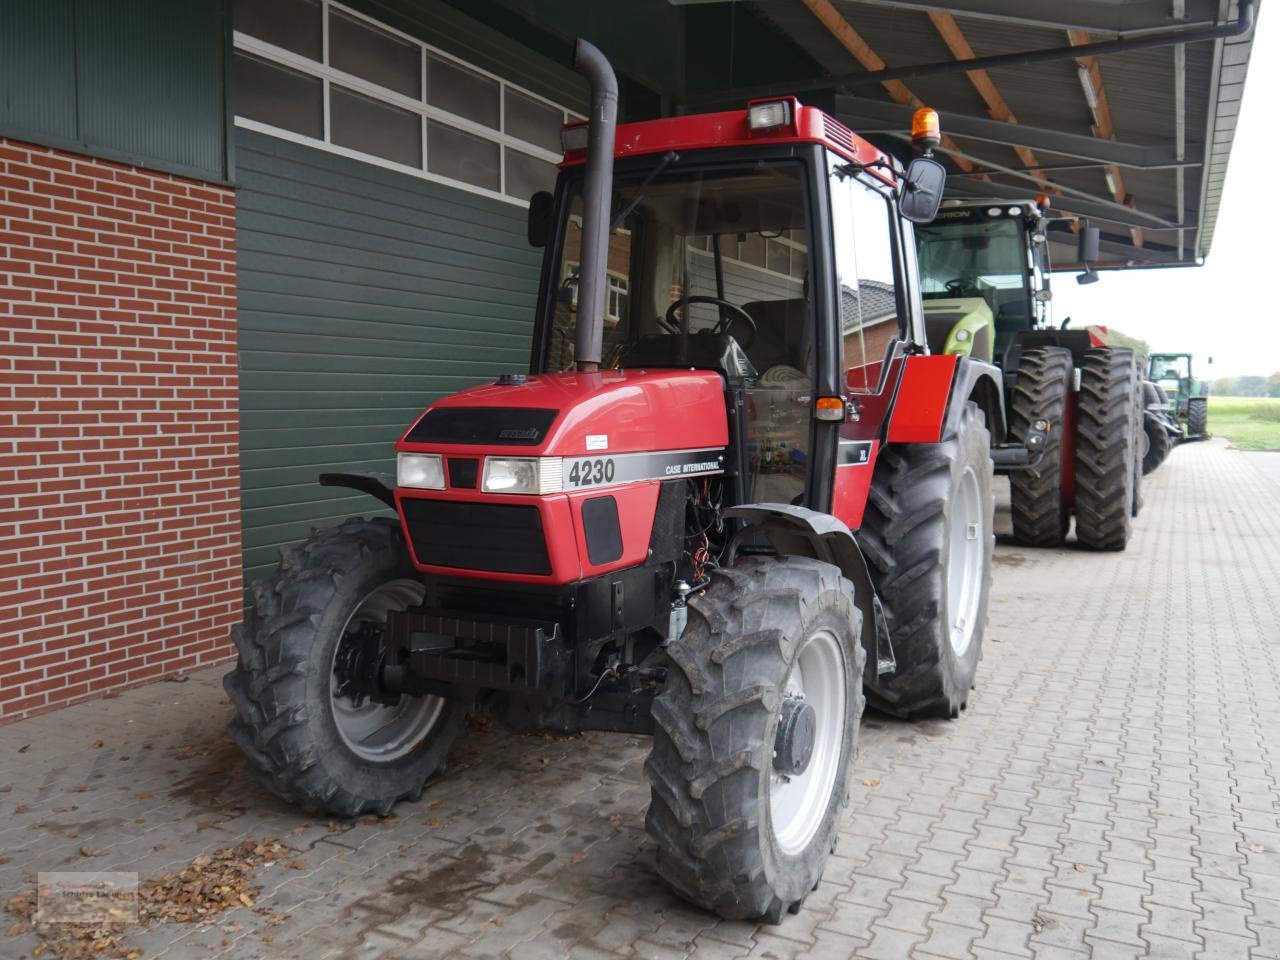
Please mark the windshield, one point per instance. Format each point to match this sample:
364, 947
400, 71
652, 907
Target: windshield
1170, 368
985, 259
736, 236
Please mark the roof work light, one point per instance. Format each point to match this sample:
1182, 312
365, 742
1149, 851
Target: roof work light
767, 115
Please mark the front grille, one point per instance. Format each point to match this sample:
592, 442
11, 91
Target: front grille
501, 538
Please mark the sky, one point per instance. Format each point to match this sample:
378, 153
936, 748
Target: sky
1209, 310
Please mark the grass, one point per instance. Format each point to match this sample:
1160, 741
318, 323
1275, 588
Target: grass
1249, 423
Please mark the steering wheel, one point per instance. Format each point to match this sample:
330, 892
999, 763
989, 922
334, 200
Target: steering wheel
727, 320
961, 286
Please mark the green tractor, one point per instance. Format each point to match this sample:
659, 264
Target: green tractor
1186, 396
1073, 401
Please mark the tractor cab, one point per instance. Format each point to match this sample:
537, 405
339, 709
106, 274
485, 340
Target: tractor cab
762, 244
984, 276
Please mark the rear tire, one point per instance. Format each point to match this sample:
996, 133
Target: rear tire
731, 837
1139, 449
1198, 417
928, 535
1159, 443
1039, 511
1105, 440
305, 741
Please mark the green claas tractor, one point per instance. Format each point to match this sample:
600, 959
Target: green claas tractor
1187, 397
1069, 397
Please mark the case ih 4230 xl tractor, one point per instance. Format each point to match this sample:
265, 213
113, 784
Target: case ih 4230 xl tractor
734, 489
984, 270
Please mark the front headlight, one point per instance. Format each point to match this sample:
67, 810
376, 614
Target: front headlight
422, 470
522, 475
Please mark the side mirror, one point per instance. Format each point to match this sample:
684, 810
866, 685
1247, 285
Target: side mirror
1087, 253
1089, 240
539, 228
922, 187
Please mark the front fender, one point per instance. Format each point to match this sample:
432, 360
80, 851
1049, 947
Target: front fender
795, 531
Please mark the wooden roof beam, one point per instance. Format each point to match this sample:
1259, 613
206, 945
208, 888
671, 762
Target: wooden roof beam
1103, 127
851, 40
997, 106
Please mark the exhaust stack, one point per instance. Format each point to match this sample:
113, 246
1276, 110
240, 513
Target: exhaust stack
596, 202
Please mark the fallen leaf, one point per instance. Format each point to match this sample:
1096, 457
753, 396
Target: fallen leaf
496, 921
24, 748
577, 858
297, 864
435, 806
1256, 847
98, 744
21, 808
246, 899
87, 852
616, 818
433, 822
65, 808
268, 937
872, 782
1080, 868
17, 930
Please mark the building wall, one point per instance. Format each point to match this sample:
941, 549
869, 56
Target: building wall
119, 470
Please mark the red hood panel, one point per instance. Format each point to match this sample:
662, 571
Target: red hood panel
622, 411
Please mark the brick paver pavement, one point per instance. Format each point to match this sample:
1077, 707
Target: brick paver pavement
1111, 792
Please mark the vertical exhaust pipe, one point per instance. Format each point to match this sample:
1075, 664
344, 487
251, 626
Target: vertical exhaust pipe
596, 202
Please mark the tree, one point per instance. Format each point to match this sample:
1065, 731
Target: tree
1223, 386
1273, 385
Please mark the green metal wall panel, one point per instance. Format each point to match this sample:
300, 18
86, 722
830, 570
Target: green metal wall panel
364, 294
38, 68
139, 81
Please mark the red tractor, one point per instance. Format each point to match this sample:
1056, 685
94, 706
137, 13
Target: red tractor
732, 492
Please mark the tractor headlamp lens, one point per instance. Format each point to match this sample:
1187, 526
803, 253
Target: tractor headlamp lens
528, 475
770, 115
422, 470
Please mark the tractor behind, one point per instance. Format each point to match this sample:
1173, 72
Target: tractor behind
1185, 397
1073, 400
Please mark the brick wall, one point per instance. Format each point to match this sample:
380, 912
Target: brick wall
119, 469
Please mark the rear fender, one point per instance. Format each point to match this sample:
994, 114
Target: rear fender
795, 531
979, 382
373, 482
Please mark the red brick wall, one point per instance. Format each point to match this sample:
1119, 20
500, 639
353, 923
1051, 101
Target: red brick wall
119, 465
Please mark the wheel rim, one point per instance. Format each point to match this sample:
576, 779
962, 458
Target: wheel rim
375, 731
798, 804
964, 562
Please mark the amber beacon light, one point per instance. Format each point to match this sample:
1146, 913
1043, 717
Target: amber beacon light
926, 133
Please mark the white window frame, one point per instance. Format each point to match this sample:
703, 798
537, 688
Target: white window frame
424, 111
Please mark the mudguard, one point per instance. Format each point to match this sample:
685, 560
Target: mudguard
980, 382
373, 482
800, 532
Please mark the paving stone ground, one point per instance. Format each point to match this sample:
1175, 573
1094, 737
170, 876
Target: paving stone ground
1112, 791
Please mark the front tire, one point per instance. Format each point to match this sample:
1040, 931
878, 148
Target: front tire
927, 535
1036, 501
1198, 418
1105, 441
764, 639
308, 739
1159, 443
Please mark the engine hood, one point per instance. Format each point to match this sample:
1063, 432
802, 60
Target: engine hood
578, 414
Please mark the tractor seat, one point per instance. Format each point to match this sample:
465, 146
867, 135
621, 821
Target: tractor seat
781, 333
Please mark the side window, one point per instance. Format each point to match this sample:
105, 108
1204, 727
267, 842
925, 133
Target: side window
864, 272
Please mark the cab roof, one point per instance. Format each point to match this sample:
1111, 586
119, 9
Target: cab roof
730, 129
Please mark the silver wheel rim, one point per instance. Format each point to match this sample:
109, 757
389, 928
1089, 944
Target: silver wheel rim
375, 731
798, 804
964, 562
